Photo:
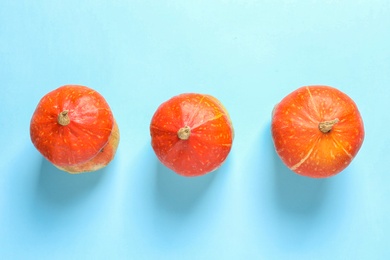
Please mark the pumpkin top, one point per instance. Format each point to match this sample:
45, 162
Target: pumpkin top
71, 125
191, 133
317, 130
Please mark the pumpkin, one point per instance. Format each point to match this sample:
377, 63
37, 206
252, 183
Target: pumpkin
191, 134
73, 127
317, 131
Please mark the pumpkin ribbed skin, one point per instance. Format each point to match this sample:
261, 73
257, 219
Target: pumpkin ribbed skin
78, 139
192, 134
317, 131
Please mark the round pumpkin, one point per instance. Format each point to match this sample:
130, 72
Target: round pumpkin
73, 127
317, 131
191, 134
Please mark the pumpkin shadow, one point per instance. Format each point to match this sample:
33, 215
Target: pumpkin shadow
180, 194
61, 189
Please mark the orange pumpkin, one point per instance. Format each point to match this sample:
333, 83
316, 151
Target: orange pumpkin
73, 127
192, 134
317, 131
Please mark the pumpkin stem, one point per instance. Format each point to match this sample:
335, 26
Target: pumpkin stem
63, 118
326, 126
184, 133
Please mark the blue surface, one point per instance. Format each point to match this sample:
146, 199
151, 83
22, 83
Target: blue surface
248, 54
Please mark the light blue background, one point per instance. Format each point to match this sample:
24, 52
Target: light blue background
248, 54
